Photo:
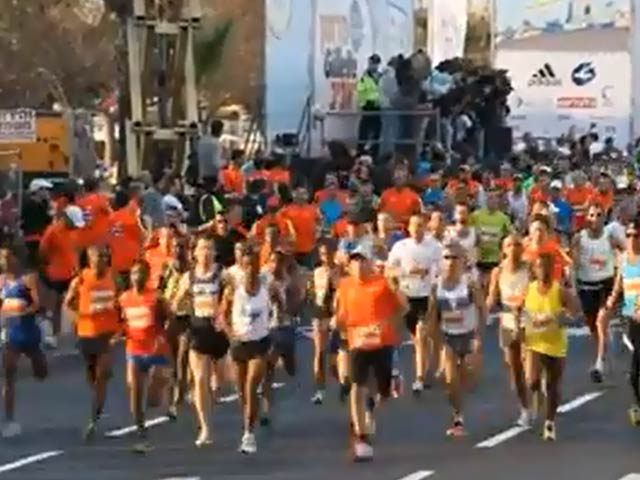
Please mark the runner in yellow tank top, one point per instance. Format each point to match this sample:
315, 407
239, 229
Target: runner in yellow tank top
546, 306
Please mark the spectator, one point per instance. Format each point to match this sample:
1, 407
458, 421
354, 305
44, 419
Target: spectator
152, 208
369, 102
210, 152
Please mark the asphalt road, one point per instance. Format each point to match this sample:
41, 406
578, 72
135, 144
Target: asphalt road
307, 442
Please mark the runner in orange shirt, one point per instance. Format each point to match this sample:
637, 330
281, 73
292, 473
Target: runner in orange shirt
603, 194
126, 237
400, 201
305, 220
145, 314
271, 217
59, 255
231, 176
160, 255
92, 295
96, 211
370, 313
578, 196
540, 241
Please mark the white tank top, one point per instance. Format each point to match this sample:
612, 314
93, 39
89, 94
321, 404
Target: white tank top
250, 314
457, 310
597, 258
513, 289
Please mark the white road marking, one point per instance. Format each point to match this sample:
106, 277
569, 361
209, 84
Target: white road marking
29, 460
181, 478
631, 476
419, 475
121, 432
502, 437
578, 402
515, 431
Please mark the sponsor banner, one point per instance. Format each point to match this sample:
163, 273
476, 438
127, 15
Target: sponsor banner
556, 90
447, 29
522, 19
17, 126
347, 33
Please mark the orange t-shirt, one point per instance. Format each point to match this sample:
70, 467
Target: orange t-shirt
59, 247
578, 198
157, 257
473, 187
504, 184
366, 308
537, 195
97, 313
605, 200
550, 246
96, 211
278, 175
340, 227
125, 239
325, 193
260, 227
304, 220
400, 203
145, 335
232, 179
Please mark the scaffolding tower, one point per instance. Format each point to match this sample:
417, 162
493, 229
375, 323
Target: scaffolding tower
163, 116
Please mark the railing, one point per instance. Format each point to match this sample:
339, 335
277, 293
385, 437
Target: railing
304, 128
402, 131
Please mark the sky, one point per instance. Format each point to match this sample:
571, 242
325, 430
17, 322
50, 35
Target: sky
511, 13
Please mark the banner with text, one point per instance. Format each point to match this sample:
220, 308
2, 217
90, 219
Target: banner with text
554, 91
447, 29
17, 126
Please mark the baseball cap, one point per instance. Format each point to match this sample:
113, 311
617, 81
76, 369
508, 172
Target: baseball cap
39, 184
544, 169
360, 253
556, 184
74, 214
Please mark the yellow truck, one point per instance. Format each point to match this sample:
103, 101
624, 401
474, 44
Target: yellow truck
39, 143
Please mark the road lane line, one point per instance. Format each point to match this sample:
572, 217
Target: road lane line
517, 430
121, 432
419, 475
631, 476
578, 402
154, 422
181, 478
502, 437
29, 460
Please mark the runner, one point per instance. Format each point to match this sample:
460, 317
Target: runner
594, 252
283, 333
92, 295
21, 335
457, 307
369, 312
509, 283
246, 308
208, 344
546, 305
627, 285
461, 232
145, 315
415, 262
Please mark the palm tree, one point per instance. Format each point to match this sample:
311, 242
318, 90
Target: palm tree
209, 50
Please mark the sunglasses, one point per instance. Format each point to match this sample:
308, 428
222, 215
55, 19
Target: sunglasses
632, 235
451, 257
221, 221
595, 215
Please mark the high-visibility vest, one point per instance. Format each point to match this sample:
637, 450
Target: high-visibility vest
367, 91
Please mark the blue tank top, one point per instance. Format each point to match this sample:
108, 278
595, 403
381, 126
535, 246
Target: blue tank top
204, 293
631, 285
16, 298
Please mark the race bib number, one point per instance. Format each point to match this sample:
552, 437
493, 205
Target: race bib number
453, 319
204, 306
116, 230
540, 323
597, 263
13, 306
368, 337
101, 301
139, 318
509, 320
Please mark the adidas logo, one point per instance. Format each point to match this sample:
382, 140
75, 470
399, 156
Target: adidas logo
545, 77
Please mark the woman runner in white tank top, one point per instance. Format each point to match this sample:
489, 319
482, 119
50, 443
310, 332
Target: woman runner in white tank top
508, 284
247, 312
463, 233
457, 306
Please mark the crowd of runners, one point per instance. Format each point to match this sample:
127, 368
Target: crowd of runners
215, 306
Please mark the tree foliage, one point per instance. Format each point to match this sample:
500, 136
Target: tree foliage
48, 46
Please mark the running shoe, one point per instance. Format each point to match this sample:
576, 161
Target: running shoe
318, 397
248, 444
90, 431
397, 384
634, 415
142, 444
172, 413
369, 423
11, 430
362, 451
549, 432
525, 419
457, 429
265, 421
345, 389
417, 387
597, 372
203, 440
